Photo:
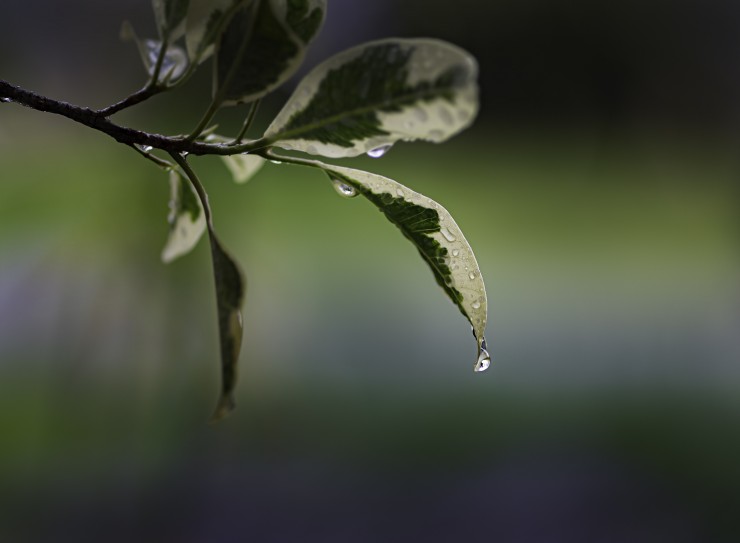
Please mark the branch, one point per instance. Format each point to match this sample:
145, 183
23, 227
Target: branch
128, 136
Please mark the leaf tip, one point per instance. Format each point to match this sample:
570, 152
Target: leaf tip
226, 404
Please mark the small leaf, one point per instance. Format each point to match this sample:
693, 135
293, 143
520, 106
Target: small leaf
242, 166
187, 219
371, 96
263, 45
229, 297
170, 17
175, 61
436, 236
206, 20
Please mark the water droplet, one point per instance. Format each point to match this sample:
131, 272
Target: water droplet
276, 162
449, 236
5, 100
455, 252
484, 359
421, 115
471, 275
379, 151
445, 116
476, 304
343, 189
144, 148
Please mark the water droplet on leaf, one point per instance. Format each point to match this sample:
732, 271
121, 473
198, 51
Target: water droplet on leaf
455, 252
343, 189
476, 305
449, 236
471, 275
379, 151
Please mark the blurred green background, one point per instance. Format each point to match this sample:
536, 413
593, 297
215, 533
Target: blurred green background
599, 189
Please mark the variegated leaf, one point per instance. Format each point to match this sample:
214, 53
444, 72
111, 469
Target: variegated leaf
230, 286
187, 219
206, 20
436, 236
367, 98
263, 45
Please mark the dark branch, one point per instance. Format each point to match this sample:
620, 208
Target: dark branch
98, 120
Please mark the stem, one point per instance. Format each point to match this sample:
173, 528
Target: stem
158, 161
247, 122
128, 136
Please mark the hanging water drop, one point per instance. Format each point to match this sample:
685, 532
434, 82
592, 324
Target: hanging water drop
343, 189
484, 359
379, 151
455, 252
471, 275
476, 304
5, 100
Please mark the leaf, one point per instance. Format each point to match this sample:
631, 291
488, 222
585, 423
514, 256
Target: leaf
175, 61
170, 17
229, 298
373, 95
206, 20
187, 219
242, 166
436, 236
263, 45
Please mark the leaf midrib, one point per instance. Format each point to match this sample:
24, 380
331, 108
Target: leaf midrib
423, 96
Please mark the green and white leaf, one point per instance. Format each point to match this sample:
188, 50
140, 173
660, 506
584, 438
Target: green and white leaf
170, 17
206, 20
243, 166
175, 61
187, 219
373, 95
230, 288
434, 232
262, 46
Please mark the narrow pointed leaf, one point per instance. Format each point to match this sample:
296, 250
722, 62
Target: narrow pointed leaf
187, 219
230, 283
373, 95
206, 20
170, 17
263, 45
436, 236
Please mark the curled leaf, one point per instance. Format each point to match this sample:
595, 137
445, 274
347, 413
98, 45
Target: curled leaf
230, 286
436, 236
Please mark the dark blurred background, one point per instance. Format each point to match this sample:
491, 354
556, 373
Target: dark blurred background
599, 188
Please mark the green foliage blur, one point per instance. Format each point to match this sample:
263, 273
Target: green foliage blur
610, 412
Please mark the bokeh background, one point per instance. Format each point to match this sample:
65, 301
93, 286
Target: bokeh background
599, 189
